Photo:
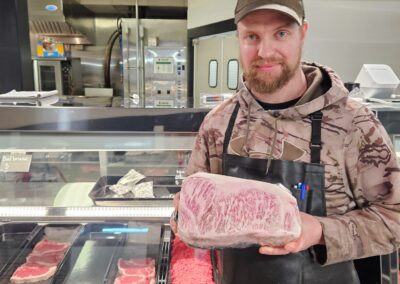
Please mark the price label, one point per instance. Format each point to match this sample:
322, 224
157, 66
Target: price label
16, 163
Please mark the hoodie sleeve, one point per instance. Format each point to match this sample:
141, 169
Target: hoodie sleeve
199, 157
373, 175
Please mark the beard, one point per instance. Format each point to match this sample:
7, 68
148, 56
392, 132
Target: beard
266, 83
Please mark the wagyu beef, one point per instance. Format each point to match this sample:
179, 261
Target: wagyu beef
220, 211
47, 246
27, 273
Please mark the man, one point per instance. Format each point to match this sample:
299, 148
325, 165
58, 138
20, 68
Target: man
293, 123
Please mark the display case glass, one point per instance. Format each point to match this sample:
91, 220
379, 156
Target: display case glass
54, 165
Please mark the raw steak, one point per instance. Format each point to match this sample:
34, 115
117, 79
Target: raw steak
189, 265
137, 267
47, 246
27, 274
136, 262
47, 259
221, 211
133, 280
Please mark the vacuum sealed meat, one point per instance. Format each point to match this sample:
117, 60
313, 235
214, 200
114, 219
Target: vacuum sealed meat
217, 211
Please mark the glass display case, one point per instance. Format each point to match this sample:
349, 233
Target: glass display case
55, 164
57, 211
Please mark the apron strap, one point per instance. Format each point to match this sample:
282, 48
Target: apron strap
315, 144
228, 132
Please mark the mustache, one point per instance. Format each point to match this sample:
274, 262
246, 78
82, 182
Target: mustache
271, 60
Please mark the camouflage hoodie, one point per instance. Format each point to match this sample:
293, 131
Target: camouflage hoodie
362, 175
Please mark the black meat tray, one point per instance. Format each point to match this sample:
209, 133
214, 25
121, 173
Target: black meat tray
43, 231
13, 238
134, 250
90, 258
164, 188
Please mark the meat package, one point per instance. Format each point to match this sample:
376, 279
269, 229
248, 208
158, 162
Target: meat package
217, 211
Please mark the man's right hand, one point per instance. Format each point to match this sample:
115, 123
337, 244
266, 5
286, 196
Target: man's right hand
173, 219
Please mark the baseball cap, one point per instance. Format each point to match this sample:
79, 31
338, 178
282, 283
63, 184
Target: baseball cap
293, 8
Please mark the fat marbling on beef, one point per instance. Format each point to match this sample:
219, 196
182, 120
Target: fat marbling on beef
221, 211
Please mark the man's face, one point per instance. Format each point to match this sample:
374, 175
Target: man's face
270, 44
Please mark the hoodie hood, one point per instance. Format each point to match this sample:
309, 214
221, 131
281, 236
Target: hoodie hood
315, 98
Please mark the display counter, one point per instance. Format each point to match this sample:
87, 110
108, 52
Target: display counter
54, 159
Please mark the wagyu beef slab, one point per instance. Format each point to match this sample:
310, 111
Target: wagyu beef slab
217, 211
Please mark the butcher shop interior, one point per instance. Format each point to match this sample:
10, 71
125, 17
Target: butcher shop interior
101, 102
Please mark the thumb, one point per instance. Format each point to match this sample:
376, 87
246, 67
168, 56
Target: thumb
293, 246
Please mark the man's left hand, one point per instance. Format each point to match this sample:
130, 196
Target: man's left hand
311, 234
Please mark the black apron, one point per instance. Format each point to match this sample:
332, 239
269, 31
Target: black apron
306, 182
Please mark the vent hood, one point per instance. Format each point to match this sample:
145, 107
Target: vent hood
44, 22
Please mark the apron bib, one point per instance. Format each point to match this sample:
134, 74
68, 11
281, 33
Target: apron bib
306, 183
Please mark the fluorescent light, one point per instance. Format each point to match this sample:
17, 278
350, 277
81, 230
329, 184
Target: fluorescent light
51, 8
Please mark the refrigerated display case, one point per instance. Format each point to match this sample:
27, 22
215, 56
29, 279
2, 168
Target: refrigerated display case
55, 164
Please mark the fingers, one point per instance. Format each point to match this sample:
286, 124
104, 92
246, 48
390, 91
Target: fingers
273, 250
174, 225
172, 220
294, 246
176, 200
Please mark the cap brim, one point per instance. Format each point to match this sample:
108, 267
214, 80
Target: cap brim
284, 9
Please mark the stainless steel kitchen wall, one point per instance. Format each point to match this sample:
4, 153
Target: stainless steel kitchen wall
155, 66
98, 29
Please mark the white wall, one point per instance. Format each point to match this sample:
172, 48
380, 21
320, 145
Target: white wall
343, 34
346, 34
205, 12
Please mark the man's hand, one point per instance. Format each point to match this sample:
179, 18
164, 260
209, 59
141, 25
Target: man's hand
311, 234
172, 221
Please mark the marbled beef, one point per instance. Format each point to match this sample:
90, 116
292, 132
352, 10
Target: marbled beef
221, 211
